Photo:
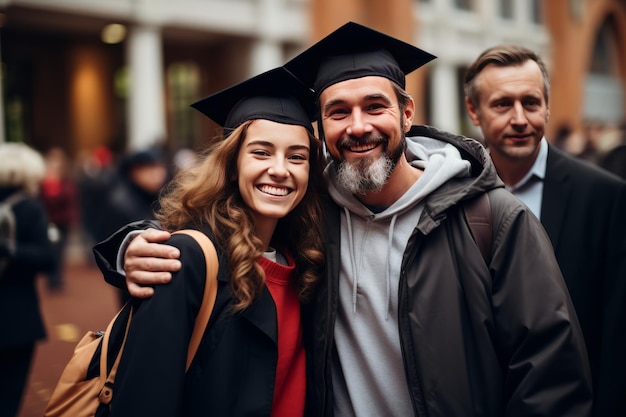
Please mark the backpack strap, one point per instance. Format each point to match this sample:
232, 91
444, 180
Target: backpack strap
14, 198
6, 212
478, 215
210, 291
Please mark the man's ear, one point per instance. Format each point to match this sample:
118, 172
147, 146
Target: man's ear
409, 113
472, 111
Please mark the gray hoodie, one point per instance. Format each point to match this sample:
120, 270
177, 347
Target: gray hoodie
366, 331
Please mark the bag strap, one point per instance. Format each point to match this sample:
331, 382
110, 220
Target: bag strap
106, 393
478, 215
210, 291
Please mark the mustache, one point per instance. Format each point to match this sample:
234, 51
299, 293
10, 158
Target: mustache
369, 138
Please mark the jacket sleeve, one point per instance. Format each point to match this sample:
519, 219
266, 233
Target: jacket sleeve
538, 338
611, 384
106, 252
151, 377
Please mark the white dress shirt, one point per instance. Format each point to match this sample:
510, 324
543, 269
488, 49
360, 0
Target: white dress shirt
530, 188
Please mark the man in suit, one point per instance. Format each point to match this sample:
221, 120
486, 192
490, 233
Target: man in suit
582, 207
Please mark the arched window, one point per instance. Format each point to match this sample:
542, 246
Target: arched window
604, 59
604, 97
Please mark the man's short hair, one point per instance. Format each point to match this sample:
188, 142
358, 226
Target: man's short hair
502, 56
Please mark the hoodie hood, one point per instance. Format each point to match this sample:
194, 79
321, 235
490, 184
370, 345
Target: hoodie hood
482, 175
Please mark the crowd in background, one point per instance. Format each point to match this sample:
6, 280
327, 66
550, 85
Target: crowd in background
92, 195
603, 144
96, 192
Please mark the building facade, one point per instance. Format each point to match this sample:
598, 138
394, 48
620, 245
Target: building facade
68, 82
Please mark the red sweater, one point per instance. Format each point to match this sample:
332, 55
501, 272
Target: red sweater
290, 385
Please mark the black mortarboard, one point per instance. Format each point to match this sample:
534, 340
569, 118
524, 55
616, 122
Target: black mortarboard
273, 95
355, 51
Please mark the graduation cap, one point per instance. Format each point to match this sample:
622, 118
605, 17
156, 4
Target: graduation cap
355, 51
273, 95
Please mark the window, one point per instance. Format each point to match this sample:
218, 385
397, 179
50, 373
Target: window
18, 79
463, 5
536, 13
604, 60
604, 98
506, 9
183, 83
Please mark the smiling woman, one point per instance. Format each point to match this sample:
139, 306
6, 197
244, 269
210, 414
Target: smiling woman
249, 192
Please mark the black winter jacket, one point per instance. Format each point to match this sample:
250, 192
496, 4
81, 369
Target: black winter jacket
478, 339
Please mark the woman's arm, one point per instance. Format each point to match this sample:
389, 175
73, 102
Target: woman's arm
150, 380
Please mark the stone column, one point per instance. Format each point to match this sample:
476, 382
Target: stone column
146, 108
445, 100
267, 51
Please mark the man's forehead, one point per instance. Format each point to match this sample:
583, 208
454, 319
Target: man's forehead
359, 89
499, 75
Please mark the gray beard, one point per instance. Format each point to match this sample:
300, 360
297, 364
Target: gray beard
363, 175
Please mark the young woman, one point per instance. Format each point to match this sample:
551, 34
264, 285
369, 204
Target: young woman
255, 194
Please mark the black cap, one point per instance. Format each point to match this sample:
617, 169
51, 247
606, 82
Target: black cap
355, 51
143, 157
273, 95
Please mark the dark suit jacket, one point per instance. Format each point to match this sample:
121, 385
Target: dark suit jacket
584, 212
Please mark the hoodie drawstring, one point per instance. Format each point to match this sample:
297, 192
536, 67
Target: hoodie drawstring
355, 273
387, 262
355, 279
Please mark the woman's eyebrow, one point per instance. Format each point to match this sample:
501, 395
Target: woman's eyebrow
271, 145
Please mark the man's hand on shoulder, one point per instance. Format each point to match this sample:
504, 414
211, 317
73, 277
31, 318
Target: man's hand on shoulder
147, 262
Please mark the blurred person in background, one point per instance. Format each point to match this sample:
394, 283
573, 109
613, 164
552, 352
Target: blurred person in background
96, 175
134, 193
581, 206
599, 138
59, 196
25, 251
563, 136
615, 160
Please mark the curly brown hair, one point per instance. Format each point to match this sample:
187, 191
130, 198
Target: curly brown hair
208, 194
